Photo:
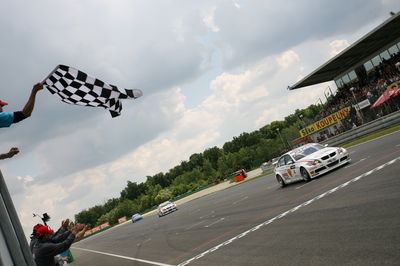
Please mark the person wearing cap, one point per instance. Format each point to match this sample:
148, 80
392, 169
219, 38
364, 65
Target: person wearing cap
44, 249
7, 119
59, 236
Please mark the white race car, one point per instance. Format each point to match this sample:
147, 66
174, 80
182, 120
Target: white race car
309, 161
165, 208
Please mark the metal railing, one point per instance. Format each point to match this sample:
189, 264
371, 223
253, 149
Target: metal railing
365, 129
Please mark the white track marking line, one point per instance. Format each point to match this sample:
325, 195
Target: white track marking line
123, 257
217, 221
240, 200
195, 211
287, 212
350, 165
143, 242
274, 186
193, 225
302, 185
207, 215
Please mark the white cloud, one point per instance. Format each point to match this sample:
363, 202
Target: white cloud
236, 4
268, 115
288, 58
208, 19
337, 46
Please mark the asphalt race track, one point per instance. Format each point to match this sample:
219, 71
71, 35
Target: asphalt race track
350, 216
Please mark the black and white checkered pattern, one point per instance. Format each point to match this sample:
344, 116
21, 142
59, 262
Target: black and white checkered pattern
76, 87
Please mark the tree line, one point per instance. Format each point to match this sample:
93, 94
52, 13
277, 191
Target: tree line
248, 150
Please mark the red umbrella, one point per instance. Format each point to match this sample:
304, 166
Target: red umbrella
386, 95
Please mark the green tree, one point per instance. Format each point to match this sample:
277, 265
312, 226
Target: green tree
196, 160
245, 157
267, 149
163, 195
111, 204
132, 190
209, 172
124, 208
212, 155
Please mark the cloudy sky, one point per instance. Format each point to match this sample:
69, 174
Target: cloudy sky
209, 70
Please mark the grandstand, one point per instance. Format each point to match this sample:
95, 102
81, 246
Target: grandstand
363, 73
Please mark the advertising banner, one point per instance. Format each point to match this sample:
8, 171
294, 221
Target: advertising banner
97, 228
325, 122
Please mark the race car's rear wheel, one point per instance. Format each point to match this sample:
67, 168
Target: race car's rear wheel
304, 174
280, 181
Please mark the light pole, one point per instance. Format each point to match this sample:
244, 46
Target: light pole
358, 107
302, 121
319, 102
326, 97
279, 133
328, 93
329, 87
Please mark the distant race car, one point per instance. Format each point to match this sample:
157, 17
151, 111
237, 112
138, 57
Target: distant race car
136, 217
309, 161
165, 208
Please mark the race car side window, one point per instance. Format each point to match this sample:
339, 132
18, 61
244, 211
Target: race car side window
288, 160
281, 161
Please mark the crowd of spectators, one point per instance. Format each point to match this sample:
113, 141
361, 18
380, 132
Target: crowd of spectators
369, 87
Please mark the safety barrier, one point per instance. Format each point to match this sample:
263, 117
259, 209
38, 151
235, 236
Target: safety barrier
364, 130
97, 229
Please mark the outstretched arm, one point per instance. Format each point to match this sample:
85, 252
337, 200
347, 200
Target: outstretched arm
81, 233
9, 154
28, 108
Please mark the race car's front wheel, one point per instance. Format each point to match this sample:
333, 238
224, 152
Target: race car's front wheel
304, 174
280, 181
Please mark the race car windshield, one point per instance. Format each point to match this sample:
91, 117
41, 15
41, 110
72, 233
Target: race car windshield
307, 151
164, 204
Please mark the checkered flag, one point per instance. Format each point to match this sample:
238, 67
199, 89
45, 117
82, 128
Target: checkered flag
76, 87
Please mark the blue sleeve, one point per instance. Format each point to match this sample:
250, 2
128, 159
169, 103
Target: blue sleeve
6, 119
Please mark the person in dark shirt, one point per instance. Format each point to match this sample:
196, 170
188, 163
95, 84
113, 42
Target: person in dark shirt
44, 249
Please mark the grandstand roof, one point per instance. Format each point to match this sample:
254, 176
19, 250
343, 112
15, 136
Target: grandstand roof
372, 42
